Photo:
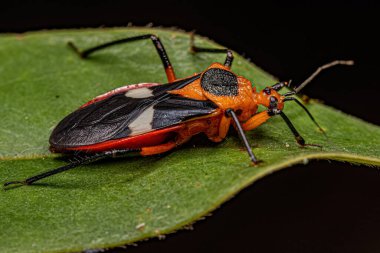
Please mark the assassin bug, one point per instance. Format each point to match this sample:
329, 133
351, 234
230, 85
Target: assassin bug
153, 118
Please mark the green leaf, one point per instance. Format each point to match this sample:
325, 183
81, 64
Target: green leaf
121, 201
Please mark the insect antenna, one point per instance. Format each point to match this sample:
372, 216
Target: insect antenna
290, 93
306, 110
280, 85
326, 66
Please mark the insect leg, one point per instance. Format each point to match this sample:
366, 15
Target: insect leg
242, 136
156, 42
260, 118
195, 49
223, 128
76, 162
299, 139
307, 111
182, 137
159, 149
256, 120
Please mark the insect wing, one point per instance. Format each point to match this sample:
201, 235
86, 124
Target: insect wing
130, 113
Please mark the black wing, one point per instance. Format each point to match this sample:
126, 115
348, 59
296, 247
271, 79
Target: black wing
120, 116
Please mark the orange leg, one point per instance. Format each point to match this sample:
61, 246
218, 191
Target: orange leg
215, 130
192, 128
256, 120
170, 74
224, 125
262, 117
154, 150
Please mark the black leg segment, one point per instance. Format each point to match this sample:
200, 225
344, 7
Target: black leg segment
76, 162
156, 42
307, 111
195, 49
299, 139
242, 136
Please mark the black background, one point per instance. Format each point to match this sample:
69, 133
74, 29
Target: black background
322, 207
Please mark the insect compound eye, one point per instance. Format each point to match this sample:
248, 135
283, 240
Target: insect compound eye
220, 82
267, 91
272, 102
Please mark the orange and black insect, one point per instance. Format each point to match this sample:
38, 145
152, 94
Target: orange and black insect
152, 118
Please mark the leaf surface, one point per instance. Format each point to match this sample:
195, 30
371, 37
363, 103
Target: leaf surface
121, 201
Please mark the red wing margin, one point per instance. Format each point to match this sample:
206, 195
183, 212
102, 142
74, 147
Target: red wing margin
130, 113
